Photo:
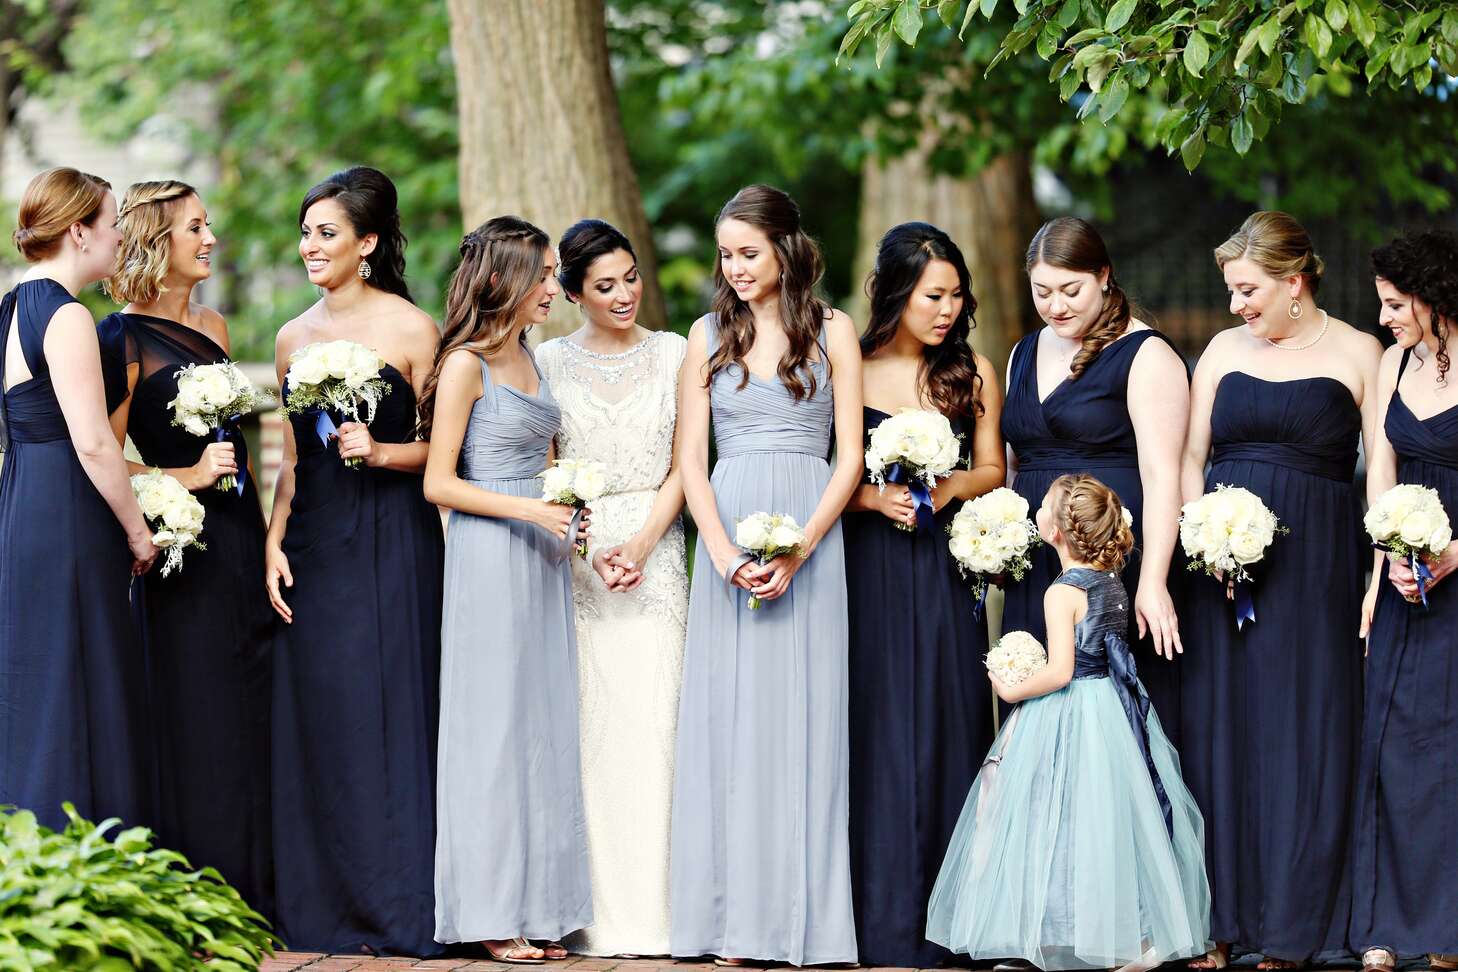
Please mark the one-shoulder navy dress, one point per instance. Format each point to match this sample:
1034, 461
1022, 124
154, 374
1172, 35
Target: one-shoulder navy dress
1270, 733
72, 679
356, 697
1083, 426
1404, 879
208, 629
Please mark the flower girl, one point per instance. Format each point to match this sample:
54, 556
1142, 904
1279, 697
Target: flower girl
1079, 846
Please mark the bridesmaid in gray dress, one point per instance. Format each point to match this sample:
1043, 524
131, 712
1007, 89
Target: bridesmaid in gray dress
759, 866
511, 852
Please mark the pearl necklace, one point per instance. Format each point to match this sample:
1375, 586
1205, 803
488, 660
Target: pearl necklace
1325, 323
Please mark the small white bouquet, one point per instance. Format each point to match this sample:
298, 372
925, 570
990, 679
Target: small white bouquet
1224, 532
766, 536
173, 513
1409, 520
914, 448
1016, 657
573, 482
335, 376
210, 397
992, 535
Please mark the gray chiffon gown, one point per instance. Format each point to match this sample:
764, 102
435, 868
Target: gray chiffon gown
511, 845
760, 865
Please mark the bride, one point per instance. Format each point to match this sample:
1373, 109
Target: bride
617, 385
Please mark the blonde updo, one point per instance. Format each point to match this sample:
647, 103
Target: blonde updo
145, 220
1091, 519
53, 202
1276, 243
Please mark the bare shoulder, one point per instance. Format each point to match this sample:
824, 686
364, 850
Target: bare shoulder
1157, 354
838, 325
984, 365
698, 335
1357, 341
1064, 598
293, 335
213, 324
72, 314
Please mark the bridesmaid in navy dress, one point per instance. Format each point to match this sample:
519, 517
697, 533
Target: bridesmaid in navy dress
1097, 391
72, 693
1270, 732
353, 566
208, 630
1404, 885
920, 712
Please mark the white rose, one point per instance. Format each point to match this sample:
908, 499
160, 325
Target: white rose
1439, 540
1210, 540
306, 367
589, 482
214, 385
753, 532
961, 547
557, 480
1246, 547
1013, 538
785, 536
195, 425
1417, 526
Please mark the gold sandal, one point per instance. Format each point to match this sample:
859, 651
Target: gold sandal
1378, 960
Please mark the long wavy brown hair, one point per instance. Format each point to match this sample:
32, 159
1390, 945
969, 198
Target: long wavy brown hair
947, 376
802, 314
1070, 243
501, 264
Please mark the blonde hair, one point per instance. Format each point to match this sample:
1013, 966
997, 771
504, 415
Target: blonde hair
53, 202
1091, 519
145, 220
1276, 243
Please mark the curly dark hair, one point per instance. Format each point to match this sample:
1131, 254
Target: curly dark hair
1425, 266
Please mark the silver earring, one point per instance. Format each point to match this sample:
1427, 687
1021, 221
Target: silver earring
1295, 310
1106, 288
364, 270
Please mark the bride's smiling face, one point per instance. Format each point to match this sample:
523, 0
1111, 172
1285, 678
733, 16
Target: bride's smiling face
612, 290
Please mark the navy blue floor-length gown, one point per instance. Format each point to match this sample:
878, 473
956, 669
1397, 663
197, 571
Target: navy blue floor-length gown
920, 721
1270, 731
356, 698
72, 680
1083, 426
208, 629
1405, 837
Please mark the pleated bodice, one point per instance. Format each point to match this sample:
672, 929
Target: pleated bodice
1310, 425
764, 417
509, 432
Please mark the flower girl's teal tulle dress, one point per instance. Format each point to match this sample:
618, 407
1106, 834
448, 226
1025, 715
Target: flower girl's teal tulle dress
1070, 852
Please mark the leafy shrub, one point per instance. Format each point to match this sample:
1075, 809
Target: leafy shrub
74, 900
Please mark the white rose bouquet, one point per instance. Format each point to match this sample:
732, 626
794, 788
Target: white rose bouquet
210, 397
576, 483
335, 376
1016, 657
914, 448
766, 536
1224, 532
992, 535
1409, 520
173, 513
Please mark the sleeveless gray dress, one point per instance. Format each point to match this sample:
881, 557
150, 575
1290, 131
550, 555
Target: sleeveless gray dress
759, 866
511, 848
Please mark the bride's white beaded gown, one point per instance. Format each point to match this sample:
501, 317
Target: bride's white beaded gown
620, 410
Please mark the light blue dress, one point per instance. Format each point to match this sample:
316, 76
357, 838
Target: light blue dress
1079, 846
759, 865
511, 848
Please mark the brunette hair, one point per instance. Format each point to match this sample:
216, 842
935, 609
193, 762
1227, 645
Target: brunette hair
52, 202
1091, 519
145, 220
948, 374
1070, 243
372, 205
585, 241
1425, 266
802, 314
501, 264
1276, 243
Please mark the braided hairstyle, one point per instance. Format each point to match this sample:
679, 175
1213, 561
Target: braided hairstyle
1091, 519
501, 264
1070, 243
1425, 266
145, 220
369, 199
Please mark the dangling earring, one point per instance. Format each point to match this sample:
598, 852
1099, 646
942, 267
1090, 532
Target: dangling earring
1106, 288
364, 270
1295, 310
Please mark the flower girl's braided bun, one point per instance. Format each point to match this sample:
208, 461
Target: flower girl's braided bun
1092, 520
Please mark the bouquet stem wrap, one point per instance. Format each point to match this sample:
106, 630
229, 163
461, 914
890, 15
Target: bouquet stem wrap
921, 497
223, 433
1244, 604
575, 543
1420, 570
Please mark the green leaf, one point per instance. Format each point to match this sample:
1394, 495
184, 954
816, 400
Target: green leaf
1197, 53
988, 6
1068, 13
1336, 14
1363, 26
1242, 135
1088, 55
1377, 62
1061, 65
1086, 35
947, 11
1422, 77
1450, 27
1113, 99
1192, 150
907, 21
1293, 88
883, 44
1048, 40
1068, 84
1119, 14
1247, 45
1270, 33
1099, 70
1318, 34
1165, 127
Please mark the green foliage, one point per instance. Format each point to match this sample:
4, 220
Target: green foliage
76, 900
1225, 68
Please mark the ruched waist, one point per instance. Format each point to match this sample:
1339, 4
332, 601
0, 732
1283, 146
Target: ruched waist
1049, 458
32, 413
1339, 466
759, 448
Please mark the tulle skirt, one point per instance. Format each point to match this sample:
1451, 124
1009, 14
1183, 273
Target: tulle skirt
1062, 857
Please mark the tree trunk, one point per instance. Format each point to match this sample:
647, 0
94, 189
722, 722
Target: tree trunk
991, 216
540, 132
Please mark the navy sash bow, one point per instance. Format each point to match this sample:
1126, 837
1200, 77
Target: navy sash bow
920, 496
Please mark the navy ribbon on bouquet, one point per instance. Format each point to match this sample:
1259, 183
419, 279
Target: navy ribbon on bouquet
978, 608
1244, 604
223, 433
1420, 571
920, 495
1118, 664
324, 427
